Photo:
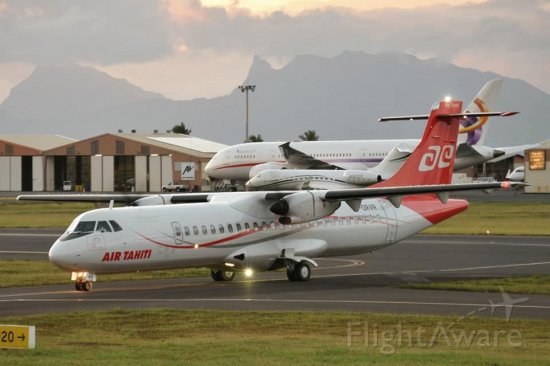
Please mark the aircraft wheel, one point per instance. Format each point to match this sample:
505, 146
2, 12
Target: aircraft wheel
219, 275
300, 272
291, 274
87, 286
78, 286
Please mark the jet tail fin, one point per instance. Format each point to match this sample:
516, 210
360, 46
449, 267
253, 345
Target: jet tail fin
472, 130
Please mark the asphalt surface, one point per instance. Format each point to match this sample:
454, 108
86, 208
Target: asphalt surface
366, 282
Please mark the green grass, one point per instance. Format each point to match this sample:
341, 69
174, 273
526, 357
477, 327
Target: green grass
39, 215
499, 218
536, 284
168, 337
16, 273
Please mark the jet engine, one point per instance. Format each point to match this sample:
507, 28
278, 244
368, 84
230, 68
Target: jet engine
302, 207
361, 177
270, 165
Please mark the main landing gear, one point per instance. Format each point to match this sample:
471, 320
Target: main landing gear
298, 271
83, 281
221, 275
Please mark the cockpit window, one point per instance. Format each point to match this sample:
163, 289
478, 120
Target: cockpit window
85, 227
115, 225
103, 226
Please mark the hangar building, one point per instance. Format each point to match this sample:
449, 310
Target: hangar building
22, 163
130, 162
537, 169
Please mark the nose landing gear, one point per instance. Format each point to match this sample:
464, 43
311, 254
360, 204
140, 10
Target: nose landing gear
83, 281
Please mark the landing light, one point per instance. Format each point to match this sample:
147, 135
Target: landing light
447, 98
248, 272
229, 264
196, 246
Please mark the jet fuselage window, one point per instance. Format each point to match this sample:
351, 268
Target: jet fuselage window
186, 229
212, 229
195, 230
239, 228
222, 229
204, 230
230, 228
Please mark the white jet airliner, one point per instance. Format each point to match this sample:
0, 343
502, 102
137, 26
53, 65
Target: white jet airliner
298, 179
230, 232
243, 161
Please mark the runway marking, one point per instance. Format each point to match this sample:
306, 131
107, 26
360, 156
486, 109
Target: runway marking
449, 242
354, 263
20, 252
433, 270
322, 301
31, 235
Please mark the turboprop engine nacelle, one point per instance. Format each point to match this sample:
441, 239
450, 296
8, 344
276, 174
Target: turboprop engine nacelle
361, 177
302, 207
261, 167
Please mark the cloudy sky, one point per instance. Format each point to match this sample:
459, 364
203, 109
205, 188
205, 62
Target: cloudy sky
191, 48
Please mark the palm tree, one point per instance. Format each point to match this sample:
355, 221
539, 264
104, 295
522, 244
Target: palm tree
181, 129
255, 138
309, 135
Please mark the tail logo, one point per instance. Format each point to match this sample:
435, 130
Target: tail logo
472, 126
436, 157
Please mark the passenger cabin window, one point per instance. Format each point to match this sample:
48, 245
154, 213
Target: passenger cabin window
212, 229
247, 226
222, 229
255, 224
239, 228
204, 229
195, 230
186, 230
115, 225
230, 228
103, 226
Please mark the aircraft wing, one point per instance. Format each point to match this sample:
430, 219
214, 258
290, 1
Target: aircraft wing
126, 198
509, 151
351, 194
304, 161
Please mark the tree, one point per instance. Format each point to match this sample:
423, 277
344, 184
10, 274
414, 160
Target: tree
309, 135
181, 129
255, 138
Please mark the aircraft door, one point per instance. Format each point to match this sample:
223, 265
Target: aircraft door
178, 233
391, 220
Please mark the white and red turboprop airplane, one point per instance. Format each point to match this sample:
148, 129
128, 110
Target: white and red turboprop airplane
243, 231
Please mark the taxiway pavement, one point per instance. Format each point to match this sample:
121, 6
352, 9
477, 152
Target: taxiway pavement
367, 282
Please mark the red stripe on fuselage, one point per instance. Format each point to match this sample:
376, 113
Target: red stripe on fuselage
203, 245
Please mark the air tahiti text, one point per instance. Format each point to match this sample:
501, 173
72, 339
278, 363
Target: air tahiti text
126, 255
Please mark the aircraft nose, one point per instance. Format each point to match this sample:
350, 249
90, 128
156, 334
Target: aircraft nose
59, 256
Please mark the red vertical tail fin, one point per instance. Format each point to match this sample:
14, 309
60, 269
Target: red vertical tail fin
433, 159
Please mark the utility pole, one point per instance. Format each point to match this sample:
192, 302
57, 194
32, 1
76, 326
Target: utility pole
245, 88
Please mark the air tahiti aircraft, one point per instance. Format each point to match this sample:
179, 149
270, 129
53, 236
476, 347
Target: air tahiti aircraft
244, 161
245, 231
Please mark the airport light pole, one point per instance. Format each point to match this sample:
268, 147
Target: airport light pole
245, 88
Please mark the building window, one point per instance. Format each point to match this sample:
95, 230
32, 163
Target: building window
537, 159
144, 150
71, 150
94, 147
9, 149
120, 147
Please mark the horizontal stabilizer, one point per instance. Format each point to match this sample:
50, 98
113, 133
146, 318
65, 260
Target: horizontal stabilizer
444, 116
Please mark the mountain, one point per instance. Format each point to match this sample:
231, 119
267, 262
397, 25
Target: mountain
339, 97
